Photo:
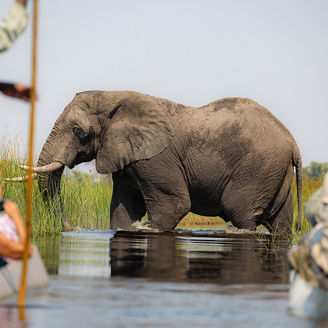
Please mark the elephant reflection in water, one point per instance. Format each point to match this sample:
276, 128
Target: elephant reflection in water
170, 257
147, 256
174, 257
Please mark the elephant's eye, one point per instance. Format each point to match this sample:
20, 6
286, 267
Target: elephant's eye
79, 133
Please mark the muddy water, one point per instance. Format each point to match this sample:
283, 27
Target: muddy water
106, 279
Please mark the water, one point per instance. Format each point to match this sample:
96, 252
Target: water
182, 279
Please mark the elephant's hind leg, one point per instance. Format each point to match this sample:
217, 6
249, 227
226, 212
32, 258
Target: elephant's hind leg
282, 221
280, 218
241, 206
127, 205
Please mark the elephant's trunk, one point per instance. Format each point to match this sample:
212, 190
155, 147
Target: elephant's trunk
49, 182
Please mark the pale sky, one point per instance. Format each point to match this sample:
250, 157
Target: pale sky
189, 51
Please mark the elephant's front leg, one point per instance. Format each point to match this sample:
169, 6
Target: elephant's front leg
127, 206
164, 190
166, 211
167, 202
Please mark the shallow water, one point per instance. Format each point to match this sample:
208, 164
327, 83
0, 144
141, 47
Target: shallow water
181, 279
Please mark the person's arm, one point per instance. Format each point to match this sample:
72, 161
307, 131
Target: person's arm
8, 247
12, 210
16, 90
13, 24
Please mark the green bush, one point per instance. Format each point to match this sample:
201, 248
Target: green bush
315, 170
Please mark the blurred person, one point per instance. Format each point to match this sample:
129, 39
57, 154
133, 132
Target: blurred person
12, 231
308, 261
12, 25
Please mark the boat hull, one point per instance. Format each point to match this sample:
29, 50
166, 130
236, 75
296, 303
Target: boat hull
307, 300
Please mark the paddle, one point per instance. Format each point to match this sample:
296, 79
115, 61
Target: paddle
29, 188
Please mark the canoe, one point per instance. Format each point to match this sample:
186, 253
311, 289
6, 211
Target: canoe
10, 275
307, 300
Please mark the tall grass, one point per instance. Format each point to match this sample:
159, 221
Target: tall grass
87, 203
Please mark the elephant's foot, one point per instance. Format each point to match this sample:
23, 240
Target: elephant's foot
233, 229
143, 225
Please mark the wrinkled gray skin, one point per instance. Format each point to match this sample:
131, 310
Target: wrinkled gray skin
316, 208
231, 158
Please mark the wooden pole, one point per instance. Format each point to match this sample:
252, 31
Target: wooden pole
29, 188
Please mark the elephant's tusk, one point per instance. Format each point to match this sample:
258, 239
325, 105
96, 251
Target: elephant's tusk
19, 179
42, 169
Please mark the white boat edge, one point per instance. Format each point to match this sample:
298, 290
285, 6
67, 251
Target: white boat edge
10, 275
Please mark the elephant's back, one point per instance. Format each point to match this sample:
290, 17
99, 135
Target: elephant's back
235, 133
235, 116
242, 109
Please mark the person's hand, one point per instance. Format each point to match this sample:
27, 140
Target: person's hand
12, 210
16, 90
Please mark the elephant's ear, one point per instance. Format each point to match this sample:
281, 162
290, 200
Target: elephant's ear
137, 128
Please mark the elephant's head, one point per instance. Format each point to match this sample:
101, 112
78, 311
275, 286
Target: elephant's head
116, 128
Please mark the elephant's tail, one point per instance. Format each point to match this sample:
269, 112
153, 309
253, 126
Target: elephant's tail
297, 162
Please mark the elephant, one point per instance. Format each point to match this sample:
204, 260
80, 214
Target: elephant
230, 158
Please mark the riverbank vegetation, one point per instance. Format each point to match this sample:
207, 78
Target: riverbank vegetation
86, 200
